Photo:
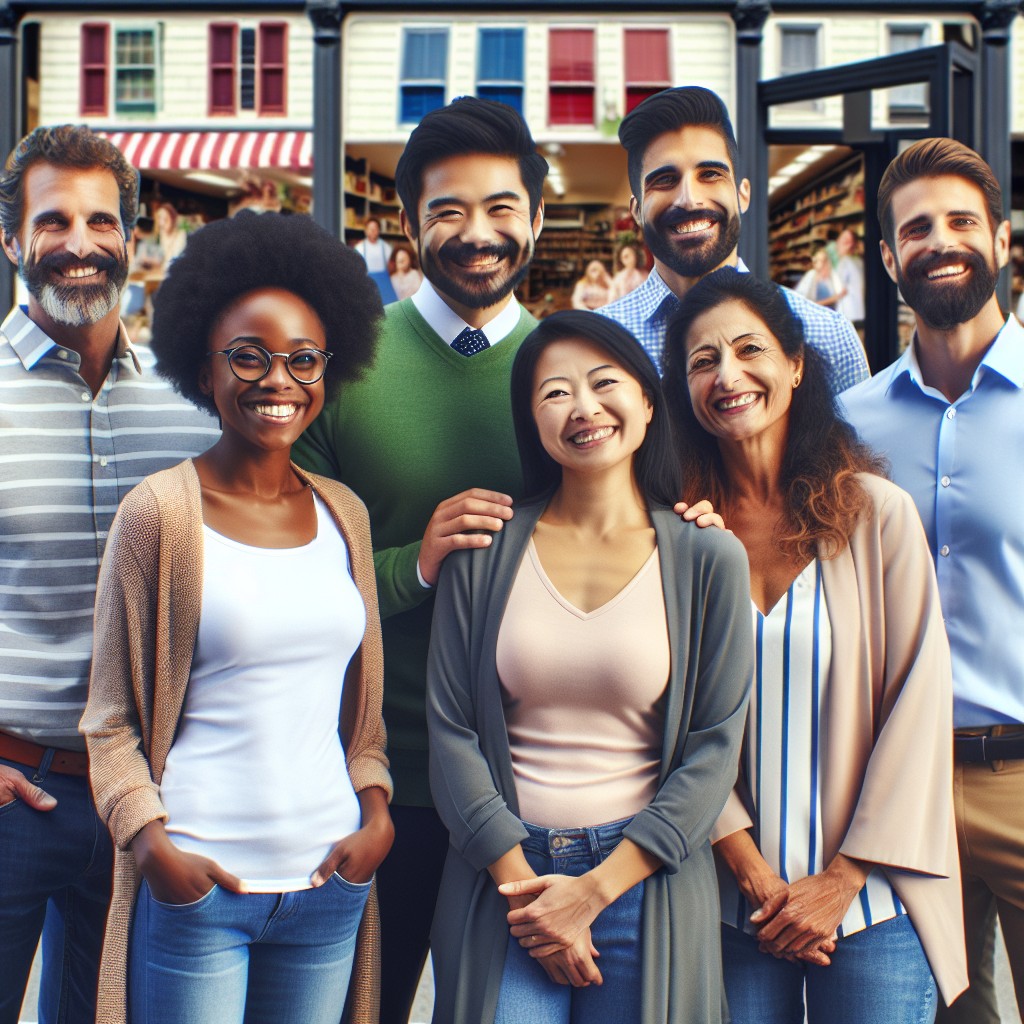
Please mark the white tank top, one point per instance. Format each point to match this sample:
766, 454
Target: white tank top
256, 778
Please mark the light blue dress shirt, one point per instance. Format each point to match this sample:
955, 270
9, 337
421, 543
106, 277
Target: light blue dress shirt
645, 312
963, 464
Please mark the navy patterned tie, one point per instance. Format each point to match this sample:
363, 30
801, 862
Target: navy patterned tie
470, 341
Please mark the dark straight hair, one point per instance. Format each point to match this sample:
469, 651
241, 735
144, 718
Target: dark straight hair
655, 465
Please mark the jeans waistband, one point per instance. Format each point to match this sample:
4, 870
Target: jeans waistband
596, 840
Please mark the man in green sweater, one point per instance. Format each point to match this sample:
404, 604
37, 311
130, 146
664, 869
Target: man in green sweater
426, 440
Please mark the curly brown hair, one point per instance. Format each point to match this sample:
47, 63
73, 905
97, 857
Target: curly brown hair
823, 497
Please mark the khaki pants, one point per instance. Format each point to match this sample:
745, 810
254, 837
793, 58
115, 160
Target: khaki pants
989, 803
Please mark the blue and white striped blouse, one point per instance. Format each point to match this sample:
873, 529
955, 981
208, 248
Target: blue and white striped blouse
782, 756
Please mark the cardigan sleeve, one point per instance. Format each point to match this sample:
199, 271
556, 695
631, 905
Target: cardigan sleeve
903, 813
716, 641
122, 673
479, 821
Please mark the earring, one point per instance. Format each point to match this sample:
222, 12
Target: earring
796, 381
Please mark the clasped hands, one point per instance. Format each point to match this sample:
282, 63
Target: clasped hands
551, 916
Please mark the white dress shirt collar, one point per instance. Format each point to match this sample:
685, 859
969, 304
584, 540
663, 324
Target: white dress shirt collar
449, 325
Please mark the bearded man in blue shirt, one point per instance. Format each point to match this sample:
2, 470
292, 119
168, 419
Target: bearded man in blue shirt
949, 415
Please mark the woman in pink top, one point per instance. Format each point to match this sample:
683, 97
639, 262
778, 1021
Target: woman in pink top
587, 679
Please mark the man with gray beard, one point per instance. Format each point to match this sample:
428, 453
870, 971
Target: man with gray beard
80, 425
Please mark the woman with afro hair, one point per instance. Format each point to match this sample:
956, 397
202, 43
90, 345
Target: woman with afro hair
234, 725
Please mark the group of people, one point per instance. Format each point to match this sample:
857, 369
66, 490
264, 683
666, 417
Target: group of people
596, 288
838, 283
636, 767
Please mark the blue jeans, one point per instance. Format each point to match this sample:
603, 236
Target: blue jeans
55, 870
527, 995
261, 958
879, 975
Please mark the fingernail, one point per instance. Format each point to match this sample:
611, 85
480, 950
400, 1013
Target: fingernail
316, 881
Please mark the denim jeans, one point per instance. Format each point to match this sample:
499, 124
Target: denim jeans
55, 869
879, 975
261, 958
527, 995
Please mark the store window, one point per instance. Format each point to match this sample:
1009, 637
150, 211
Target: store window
571, 76
647, 64
799, 51
499, 66
136, 70
242, 59
424, 71
907, 100
95, 62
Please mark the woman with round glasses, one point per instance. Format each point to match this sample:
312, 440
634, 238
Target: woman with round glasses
234, 724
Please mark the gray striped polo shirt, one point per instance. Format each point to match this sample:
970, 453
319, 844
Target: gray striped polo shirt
66, 461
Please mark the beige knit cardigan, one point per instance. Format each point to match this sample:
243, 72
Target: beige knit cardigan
147, 619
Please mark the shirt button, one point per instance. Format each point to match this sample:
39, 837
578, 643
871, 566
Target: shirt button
103, 460
86, 396
951, 414
62, 354
945, 481
944, 550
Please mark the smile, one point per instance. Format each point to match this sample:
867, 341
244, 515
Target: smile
690, 227
739, 402
950, 270
275, 411
590, 436
77, 272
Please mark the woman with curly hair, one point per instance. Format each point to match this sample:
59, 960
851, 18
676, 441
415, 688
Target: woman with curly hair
837, 855
236, 745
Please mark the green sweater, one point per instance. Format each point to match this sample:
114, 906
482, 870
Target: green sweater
422, 424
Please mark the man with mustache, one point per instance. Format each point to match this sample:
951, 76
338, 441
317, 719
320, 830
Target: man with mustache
431, 419
80, 425
682, 155
949, 416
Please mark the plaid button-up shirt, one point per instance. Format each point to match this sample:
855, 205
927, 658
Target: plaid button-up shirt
645, 312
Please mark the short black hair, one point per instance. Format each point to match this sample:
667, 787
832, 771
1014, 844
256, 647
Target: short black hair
656, 465
65, 145
669, 111
467, 125
230, 258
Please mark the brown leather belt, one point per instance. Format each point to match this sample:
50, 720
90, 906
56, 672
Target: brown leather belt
999, 743
65, 762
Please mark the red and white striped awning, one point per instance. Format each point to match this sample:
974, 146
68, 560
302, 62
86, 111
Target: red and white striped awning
208, 151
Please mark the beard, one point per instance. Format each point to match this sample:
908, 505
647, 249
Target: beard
74, 305
444, 271
942, 304
692, 260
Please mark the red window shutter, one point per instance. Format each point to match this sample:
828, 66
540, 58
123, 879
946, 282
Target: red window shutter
273, 58
647, 56
94, 61
571, 55
571, 105
223, 51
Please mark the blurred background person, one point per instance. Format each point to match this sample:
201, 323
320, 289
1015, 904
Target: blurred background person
630, 270
820, 284
405, 275
593, 289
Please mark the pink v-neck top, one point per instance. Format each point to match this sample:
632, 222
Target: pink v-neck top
583, 697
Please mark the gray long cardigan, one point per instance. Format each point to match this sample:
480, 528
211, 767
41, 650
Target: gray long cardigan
707, 601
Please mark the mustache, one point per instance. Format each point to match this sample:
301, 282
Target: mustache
459, 252
930, 261
58, 262
676, 215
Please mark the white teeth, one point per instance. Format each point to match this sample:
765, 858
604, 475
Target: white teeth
949, 271
693, 225
277, 412
80, 272
593, 435
738, 402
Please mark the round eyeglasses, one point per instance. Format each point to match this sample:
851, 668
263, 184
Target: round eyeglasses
252, 362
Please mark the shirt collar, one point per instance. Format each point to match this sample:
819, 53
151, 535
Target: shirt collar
445, 322
653, 293
1005, 356
30, 342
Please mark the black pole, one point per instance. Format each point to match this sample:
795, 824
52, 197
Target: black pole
750, 17
327, 182
996, 18
9, 129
